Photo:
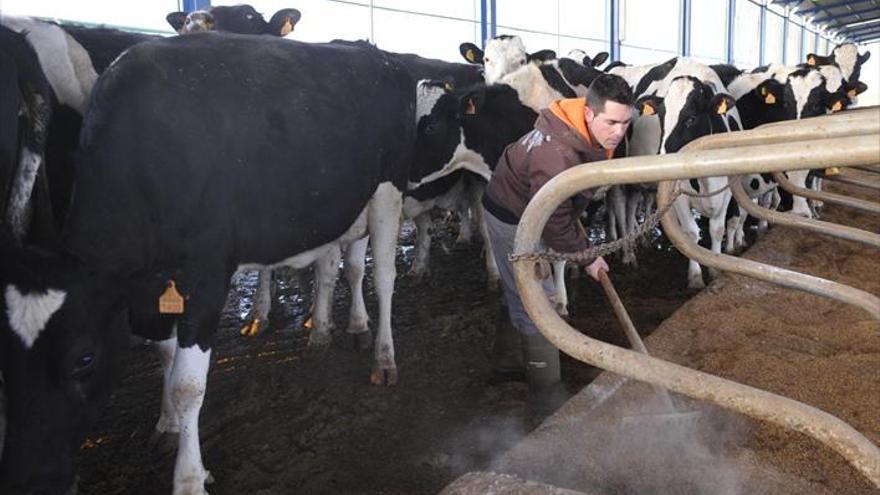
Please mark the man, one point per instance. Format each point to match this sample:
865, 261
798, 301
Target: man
567, 133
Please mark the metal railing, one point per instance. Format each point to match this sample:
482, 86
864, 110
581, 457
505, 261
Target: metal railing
810, 143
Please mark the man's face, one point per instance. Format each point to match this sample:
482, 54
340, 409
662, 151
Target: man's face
609, 126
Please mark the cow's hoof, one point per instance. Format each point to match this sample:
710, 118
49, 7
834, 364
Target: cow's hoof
252, 329
163, 442
319, 338
384, 376
696, 283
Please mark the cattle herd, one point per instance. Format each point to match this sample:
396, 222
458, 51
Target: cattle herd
140, 172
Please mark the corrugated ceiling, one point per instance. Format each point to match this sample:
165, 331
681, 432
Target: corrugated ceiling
853, 20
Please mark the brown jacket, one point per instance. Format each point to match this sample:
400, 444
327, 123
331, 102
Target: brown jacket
559, 141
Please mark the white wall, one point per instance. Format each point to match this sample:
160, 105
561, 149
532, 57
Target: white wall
871, 76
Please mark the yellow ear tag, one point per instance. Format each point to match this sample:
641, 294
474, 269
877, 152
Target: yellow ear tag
838, 106
769, 99
811, 61
832, 171
447, 86
647, 109
469, 55
852, 93
287, 27
171, 302
471, 108
722, 108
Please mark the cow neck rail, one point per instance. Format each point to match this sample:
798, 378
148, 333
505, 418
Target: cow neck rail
846, 178
787, 219
843, 200
829, 430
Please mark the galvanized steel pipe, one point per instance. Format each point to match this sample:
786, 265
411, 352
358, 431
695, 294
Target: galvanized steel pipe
840, 199
778, 217
838, 435
845, 178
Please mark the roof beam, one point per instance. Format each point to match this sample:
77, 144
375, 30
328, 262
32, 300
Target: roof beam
870, 35
859, 30
826, 6
849, 25
846, 14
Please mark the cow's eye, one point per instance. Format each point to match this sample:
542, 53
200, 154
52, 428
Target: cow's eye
83, 364
431, 128
522, 61
691, 121
486, 60
249, 16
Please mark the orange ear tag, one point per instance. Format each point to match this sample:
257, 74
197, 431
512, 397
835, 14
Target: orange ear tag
471, 108
769, 99
722, 108
171, 302
838, 106
647, 109
832, 171
287, 27
852, 93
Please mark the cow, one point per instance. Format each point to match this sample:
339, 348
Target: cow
846, 56
241, 19
70, 58
504, 54
679, 101
775, 93
25, 114
454, 192
163, 214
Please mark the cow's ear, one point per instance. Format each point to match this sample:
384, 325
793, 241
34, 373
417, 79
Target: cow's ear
542, 56
649, 105
283, 22
770, 91
864, 58
471, 52
176, 20
598, 60
472, 102
854, 89
837, 102
722, 103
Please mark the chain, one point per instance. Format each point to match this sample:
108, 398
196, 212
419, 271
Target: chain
591, 253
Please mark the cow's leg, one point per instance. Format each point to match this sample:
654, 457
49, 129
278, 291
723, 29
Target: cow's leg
326, 271
561, 298
188, 381
716, 234
464, 224
633, 199
689, 226
354, 268
195, 334
259, 314
420, 266
383, 217
168, 419
650, 197
492, 275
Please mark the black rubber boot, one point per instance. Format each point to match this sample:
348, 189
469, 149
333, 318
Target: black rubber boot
546, 391
507, 353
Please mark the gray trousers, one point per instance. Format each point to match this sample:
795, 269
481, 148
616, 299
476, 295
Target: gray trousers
501, 237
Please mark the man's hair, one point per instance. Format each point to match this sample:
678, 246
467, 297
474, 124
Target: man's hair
608, 87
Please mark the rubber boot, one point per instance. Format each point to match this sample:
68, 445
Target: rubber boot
546, 391
507, 353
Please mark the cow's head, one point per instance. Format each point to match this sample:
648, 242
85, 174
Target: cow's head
846, 56
241, 19
467, 128
504, 54
691, 109
63, 336
813, 91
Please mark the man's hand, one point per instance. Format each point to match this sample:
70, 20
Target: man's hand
595, 266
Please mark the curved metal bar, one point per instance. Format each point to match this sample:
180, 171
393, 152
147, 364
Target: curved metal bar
871, 169
778, 217
831, 431
840, 199
845, 178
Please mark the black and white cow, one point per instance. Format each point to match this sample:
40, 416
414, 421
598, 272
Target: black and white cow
241, 19
70, 58
25, 113
163, 200
504, 54
846, 56
679, 101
